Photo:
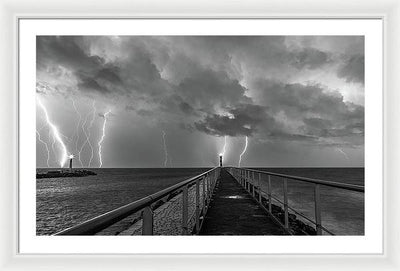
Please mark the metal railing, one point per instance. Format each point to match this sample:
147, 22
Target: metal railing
206, 181
247, 178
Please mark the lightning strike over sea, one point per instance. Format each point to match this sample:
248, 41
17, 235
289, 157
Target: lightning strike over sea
46, 146
102, 137
165, 149
223, 148
76, 134
342, 152
56, 134
243, 152
86, 135
89, 133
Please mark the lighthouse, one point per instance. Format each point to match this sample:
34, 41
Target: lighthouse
70, 162
220, 160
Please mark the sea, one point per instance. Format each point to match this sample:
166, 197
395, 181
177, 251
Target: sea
64, 202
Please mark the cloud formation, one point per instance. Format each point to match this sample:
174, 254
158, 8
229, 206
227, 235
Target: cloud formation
243, 120
255, 86
353, 69
310, 58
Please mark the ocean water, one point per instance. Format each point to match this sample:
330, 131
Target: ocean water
342, 211
65, 202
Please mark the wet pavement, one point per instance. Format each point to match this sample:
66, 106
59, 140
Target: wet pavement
234, 212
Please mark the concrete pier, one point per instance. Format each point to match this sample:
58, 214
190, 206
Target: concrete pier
233, 211
219, 201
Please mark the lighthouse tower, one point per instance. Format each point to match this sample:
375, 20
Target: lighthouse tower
70, 162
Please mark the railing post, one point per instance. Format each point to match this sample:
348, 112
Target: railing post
185, 210
269, 194
197, 206
210, 182
259, 188
317, 204
248, 181
204, 192
254, 187
214, 181
147, 221
208, 189
285, 201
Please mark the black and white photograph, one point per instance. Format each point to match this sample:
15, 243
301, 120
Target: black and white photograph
200, 135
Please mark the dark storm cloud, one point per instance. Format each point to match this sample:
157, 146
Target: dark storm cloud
186, 108
235, 86
67, 51
87, 83
353, 69
292, 137
241, 121
209, 89
321, 114
93, 74
310, 58
317, 123
140, 74
349, 130
135, 72
338, 130
223, 125
300, 99
202, 90
110, 74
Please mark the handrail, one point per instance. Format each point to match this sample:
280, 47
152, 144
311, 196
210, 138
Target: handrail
246, 178
352, 187
103, 221
301, 214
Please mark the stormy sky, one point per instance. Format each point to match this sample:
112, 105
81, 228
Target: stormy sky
171, 100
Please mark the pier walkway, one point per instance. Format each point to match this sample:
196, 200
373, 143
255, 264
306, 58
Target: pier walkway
233, 211
220, 201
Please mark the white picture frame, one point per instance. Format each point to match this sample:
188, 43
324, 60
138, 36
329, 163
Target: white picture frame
13, 10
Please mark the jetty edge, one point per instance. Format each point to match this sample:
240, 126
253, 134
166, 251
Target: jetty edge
65, 173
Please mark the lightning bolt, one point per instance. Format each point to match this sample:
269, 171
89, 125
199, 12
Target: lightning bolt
345, 154
90, 126
165, 149
76, 134
64, 136
54, 140
56, 134
87, 138
52, 144
87, 134
46, 146
223, 148
244, 150
102, 136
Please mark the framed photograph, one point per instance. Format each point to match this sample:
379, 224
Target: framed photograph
264, 137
